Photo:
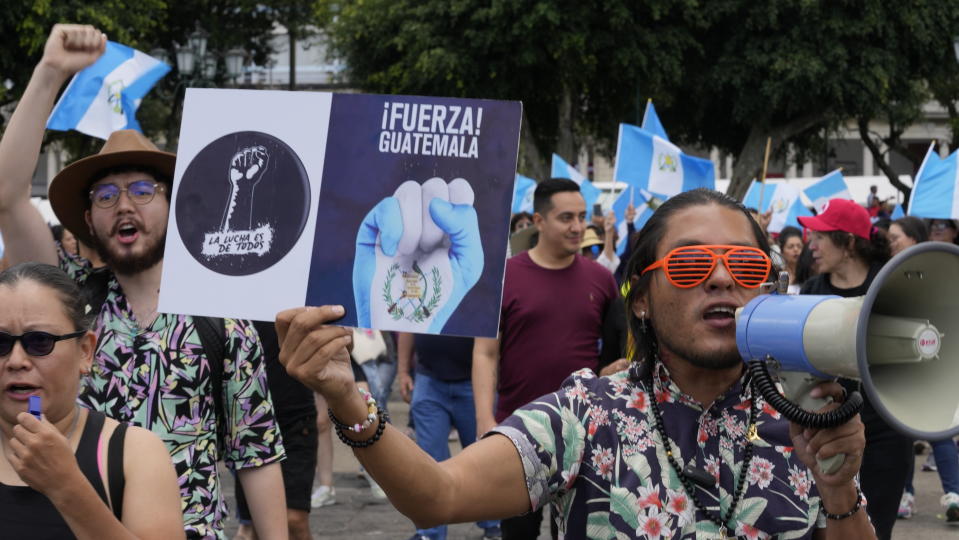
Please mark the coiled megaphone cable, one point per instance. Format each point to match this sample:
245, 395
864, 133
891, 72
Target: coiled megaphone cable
764, 383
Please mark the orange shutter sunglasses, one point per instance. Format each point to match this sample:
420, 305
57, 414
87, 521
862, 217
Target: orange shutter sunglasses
688, 266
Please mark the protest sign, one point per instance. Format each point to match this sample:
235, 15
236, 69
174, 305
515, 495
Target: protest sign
396, 207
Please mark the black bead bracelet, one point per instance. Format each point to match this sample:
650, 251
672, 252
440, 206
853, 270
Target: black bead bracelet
338, 426
849, 513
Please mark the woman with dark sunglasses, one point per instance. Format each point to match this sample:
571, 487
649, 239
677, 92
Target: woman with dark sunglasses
66, 471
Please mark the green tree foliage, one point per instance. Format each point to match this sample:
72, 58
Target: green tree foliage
791, 69
576, 65
142, 24
723, 73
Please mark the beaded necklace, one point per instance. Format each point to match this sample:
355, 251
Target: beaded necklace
751, 435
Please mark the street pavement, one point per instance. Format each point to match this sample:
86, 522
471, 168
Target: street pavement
357, 515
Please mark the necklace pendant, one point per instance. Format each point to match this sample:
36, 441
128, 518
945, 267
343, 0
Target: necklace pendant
722, 533
752, 434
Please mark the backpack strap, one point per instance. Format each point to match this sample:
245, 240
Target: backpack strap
212, 332
115, 478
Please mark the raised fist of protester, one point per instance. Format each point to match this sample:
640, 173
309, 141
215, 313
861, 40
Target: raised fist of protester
72, 47
42, 456
417, 255
609, 222
317, 353
246, 171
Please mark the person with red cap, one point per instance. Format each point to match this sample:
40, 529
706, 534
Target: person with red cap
849, 255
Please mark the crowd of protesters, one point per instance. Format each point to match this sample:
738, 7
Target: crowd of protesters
627, 416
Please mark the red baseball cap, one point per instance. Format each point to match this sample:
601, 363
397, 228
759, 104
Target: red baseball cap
840, 215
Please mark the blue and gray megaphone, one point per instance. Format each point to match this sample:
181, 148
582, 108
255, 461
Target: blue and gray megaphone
901, 340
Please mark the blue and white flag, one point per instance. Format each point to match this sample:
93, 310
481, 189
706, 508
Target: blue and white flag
752, 198
831, 186
591, 193
935, 193
797, 210
644, 210
104, 97
651, 121
782, 203
647, 161
523, 190
897, 213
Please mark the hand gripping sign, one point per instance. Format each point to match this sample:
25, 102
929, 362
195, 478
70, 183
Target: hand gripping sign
417, 255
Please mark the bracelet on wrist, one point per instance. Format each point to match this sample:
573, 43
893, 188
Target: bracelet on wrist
858, 505
339, 427
371, 410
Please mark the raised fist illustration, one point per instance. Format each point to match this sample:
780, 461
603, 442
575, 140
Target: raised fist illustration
246, 170
417, 255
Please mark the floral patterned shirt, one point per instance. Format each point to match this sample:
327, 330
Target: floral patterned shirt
159, 379
592, 450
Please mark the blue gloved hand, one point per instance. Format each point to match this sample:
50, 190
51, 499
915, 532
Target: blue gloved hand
417, 255
383, 222
460, 222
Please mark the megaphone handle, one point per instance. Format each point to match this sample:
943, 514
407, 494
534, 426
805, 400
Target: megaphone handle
831, 464
796, 386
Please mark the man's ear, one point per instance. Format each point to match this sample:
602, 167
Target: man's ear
641, 304
86, 217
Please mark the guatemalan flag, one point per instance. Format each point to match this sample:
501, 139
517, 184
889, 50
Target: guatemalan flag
561, 169
523, 190
758, 198
935, 193
831, 186
645, 204
647, 161
104, 97
651, 121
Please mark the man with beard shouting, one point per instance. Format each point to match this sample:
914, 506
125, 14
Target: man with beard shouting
150, 369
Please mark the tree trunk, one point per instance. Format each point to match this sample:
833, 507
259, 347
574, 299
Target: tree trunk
565, 143
531, 162
877, 157
749, 162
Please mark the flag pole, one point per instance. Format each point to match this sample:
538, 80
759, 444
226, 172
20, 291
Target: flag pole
762, 180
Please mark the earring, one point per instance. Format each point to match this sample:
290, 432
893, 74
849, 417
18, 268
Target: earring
642, 321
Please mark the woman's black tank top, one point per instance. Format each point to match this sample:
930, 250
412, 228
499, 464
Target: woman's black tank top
27, 513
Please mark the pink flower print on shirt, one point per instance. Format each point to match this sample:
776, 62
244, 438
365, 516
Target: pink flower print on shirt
749, 532
638, 400
648, 497
679, 505
654, 525
712, 467
799, 481
577, 392
603, 462
760, 472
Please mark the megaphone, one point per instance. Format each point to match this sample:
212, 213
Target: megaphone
901, 340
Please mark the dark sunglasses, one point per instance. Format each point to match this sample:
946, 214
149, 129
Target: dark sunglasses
140, 192
34, 343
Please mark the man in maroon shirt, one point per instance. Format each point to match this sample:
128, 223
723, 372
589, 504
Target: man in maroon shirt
551, 320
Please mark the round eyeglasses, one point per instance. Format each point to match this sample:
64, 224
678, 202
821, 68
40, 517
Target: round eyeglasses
140, 192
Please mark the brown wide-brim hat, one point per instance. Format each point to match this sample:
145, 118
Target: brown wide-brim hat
69, 190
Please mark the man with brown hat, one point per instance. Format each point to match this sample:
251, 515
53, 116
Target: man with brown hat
150, 368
